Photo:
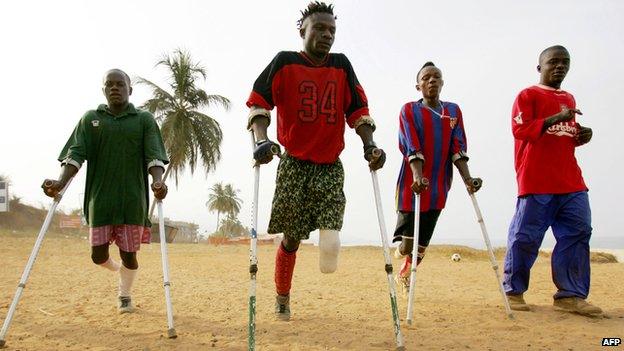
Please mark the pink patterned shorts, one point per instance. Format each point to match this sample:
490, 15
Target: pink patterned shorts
128, 237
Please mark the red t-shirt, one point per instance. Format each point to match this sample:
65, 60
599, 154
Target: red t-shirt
545, 162
313, 102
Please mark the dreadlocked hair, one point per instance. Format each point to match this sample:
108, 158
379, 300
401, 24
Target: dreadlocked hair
315, 7
427, 64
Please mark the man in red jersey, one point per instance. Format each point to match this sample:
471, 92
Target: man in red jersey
551, 190
315, 93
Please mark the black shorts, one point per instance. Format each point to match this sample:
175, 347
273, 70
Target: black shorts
405, 226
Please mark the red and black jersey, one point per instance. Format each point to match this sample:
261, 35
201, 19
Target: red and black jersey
545, 162
313, 102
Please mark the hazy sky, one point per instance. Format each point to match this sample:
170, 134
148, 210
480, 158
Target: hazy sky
54, 54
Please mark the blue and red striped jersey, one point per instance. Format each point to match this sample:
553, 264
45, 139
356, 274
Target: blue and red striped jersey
313, 103
438, 136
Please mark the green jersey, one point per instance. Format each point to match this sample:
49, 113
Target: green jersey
118, 150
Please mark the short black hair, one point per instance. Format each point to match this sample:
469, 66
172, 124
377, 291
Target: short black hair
427, 64
126, 76
315, 7
551, 48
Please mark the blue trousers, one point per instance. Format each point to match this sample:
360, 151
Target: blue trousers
569, 216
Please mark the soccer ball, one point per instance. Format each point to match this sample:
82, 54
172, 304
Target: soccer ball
455, 257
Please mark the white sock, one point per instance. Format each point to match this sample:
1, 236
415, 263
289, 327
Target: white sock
126, 279
111, 265
329, 247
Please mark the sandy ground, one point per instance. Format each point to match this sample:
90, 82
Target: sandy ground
70, 304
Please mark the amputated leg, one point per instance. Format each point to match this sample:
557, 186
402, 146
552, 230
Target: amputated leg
329, 248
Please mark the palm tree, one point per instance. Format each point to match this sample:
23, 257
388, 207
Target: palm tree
233, 200
187, 132
224, 199
231, 227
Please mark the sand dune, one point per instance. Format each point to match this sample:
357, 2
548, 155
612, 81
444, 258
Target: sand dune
70, 304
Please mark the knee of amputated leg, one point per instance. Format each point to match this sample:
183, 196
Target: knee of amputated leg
99, 258
329, 247
405, 248
99, 254
129, 259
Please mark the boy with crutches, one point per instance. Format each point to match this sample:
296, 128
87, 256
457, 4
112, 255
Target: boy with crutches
431, 139
121, 145
315, 93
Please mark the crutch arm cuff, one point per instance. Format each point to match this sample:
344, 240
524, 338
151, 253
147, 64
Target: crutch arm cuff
459, 155
70, 161
416, 156
255, 112
156, 163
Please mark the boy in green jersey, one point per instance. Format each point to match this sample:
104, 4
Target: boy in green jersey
122, 145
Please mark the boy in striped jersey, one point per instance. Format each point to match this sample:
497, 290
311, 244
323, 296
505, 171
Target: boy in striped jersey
431, 139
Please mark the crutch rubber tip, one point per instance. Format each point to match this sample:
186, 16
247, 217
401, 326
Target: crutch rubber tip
409, 322
400, 348
2, 344
171, 333
511, 316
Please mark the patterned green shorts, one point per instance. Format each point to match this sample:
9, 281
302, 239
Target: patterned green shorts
308, 196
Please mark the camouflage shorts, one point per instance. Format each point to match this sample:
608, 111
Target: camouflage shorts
308, 196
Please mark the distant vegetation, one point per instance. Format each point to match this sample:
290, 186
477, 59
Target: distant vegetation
224, 199
22, 217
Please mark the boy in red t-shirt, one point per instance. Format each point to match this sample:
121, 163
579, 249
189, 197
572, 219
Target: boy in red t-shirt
551, 190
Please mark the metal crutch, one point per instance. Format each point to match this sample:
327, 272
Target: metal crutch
31, 262
253, 258
412, 286
171, 332
388, 264
486, 238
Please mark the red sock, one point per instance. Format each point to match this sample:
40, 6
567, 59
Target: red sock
406, 266
407, 263
284, 267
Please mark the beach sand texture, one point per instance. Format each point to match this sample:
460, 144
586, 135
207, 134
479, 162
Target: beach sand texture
70, 304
